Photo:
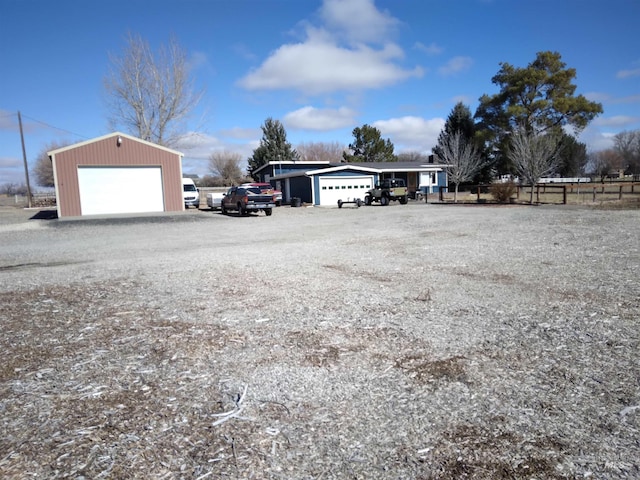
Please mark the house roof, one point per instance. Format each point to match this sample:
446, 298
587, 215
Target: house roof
290, 162
401, 166
339, 168
364, 167
112, 135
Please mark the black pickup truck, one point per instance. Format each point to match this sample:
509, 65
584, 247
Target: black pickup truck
247, 199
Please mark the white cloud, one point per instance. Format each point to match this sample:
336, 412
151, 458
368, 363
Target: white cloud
11, 171
317, 67
324, 63
597, 96
465, 99
8, 162
198, 147
610, 99
323, 119
197, 60
358, 20
8, 120
628, 73
615, 121
411, 133
596, 140
432, 49
241, 133
455, 65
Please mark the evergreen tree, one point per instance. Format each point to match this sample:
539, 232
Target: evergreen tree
273, 147
460, 122
572, 157
538, 99
368, 146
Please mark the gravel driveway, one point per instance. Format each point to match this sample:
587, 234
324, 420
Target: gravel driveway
412, 341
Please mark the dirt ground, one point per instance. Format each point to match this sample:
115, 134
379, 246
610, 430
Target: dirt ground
412, 341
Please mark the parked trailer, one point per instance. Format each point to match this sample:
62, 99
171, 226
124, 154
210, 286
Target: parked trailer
357, 201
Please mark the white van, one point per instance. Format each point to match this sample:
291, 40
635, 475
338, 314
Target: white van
190, 193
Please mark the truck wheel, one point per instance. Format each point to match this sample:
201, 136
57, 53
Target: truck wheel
384, 200
359, 203
367, 200
268, 212
403, 200
223, 210
241, 210
339, 203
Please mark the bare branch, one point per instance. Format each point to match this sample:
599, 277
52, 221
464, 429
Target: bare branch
150, 96
320, 151
226, 166
461, 158
534, 155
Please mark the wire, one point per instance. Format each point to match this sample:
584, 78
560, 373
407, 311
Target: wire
55, 128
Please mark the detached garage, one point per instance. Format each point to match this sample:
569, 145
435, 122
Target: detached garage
116, 174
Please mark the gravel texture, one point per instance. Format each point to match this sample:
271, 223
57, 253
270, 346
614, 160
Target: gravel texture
412, 341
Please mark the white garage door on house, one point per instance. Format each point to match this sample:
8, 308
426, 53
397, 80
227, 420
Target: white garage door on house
106, 190
346, 189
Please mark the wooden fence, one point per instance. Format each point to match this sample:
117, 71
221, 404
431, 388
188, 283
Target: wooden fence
577, 193
570, 193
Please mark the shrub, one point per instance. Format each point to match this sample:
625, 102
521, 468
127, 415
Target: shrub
502, 191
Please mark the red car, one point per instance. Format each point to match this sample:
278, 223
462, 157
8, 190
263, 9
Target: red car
266, 188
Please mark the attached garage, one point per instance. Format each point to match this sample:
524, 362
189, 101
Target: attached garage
333, 188
116, 174
345, 183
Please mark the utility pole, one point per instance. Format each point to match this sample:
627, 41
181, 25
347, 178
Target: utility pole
24, 159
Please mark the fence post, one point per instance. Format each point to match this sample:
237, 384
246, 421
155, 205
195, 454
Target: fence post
620, 194
478, 194
537, 193
594, 193
441, 196
564, 194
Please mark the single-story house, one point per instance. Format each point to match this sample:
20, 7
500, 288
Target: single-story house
323, 183
114, 174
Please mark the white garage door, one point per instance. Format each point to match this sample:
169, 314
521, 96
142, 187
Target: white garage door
120, 190
346, 189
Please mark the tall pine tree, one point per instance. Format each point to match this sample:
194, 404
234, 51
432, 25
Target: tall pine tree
368, 146
273, 147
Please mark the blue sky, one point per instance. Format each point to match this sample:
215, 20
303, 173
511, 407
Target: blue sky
321, 67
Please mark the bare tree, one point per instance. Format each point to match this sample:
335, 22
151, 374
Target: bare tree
226, 166
627, 144
43, 169
150, 95
320, 151
13, 189
603, 162
413, 156
461, 158
534, 155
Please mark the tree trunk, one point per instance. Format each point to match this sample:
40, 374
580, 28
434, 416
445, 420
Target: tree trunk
455, 194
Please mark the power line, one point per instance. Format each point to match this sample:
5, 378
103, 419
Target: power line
54, 127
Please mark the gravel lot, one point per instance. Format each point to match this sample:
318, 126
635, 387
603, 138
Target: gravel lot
401, 342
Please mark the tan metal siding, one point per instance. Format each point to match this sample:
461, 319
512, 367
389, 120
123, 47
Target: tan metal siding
107, 152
